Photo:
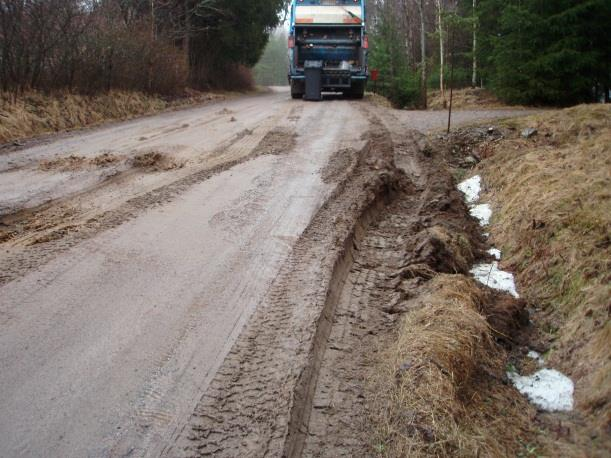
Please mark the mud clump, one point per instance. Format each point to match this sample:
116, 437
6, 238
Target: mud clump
105, 160
276, 141
339, 165
430, 389
6, 234
466, 147
155, 161
75, 163
64, 164
507, 316
225, 111
441, 250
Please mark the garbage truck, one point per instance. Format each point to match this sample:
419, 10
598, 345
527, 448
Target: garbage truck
327, 48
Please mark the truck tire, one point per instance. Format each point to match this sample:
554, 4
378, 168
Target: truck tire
297, 90
357, 90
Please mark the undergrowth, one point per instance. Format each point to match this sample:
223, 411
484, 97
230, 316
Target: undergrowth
36, 113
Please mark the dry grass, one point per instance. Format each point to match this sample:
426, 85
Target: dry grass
378, 99
438, 390
553, 222
34, 113
464, 99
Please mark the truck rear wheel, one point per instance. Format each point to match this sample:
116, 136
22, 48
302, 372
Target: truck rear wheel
357, 90
297, 90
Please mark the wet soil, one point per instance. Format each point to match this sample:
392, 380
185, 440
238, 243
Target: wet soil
225, 307
295, 382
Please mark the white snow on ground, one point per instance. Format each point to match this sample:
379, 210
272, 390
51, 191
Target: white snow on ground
536, 356
491, 276
482, 212
548, 389
471, 188
495, 252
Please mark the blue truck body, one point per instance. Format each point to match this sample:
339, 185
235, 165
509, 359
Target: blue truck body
331, 35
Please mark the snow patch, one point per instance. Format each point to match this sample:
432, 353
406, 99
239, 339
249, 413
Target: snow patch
536, 356
495, 252
491, 276
548, 389
482, 212
471, 188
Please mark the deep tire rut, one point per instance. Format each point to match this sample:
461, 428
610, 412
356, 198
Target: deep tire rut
295, 383
260, 401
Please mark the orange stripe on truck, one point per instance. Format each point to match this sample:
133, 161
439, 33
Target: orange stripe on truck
305, 20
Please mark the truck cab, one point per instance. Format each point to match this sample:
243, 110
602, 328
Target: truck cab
330, 36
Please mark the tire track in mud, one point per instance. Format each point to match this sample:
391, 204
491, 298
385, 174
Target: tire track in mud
260, 399
294, 384
395, 257
35, 248
336, 425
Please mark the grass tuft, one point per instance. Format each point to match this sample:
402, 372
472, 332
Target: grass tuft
437, 387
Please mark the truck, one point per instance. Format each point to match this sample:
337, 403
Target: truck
328, 47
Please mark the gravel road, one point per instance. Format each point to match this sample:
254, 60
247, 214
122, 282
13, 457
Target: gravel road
132, 256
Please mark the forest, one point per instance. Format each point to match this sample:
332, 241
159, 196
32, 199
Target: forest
530, 52
154, 46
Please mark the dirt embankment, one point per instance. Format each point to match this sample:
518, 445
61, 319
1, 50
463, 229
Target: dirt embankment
33, 114
439, 386
464, 99
548, 179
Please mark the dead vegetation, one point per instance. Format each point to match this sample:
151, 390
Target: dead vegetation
35, 113
276, 141
441, 387
549, 187
464, 99
378, 99
553, 221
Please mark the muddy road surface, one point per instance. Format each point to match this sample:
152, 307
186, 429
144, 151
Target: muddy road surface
163, 281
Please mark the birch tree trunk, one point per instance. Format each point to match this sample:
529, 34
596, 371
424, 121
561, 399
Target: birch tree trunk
474, 75
441, 53
420, 4
187, 39
152, 44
